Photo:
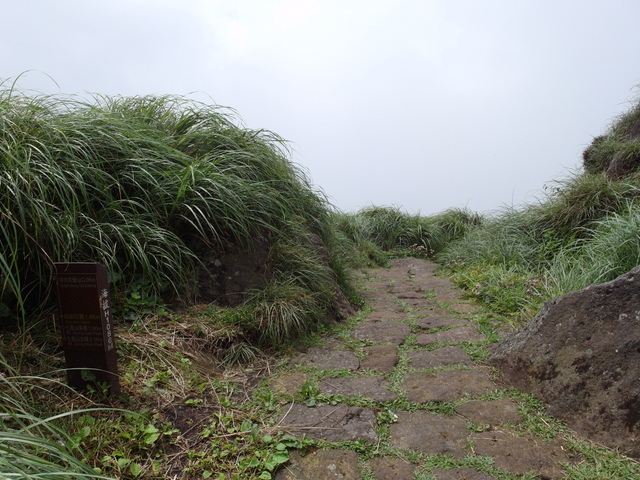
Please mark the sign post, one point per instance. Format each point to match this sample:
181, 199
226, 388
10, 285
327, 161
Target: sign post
87, 331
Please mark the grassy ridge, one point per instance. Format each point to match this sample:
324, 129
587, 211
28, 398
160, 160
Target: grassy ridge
584, 231
144, 185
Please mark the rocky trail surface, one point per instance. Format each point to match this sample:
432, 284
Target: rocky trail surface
402, 393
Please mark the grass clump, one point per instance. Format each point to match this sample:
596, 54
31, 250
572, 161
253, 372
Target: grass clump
613, 248
375, 230
165, 192
620, 140
34, 443
583, 231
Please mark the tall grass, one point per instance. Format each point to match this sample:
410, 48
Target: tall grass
138, 184
583, 232
597, 157
389, 228
613, 248
575, 203
33, 444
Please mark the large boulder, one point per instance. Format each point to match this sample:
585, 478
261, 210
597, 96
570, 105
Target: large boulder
581, 356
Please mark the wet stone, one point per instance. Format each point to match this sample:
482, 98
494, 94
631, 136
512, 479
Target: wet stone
441, 357
460, 334
321, 464
382, 358
446, 386
491, 412
391, 468
327, 358
375, 388
382, 331
333, 423
521, 455
432, 434
430, 322
461, 474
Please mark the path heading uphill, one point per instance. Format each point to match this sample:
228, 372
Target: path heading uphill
402, 394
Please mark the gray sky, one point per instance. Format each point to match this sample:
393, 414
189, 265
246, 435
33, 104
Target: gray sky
420, 104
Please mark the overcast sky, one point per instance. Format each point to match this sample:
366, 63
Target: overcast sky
420, 104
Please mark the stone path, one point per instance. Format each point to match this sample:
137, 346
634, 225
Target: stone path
401, 394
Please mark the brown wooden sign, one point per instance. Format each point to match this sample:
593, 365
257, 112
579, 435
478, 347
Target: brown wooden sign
87, 331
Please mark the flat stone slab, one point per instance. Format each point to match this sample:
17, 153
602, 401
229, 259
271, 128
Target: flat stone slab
414, 303
441, 357
386, 304
429, 312
333, 423
432, 434
491, 412
425, 305
415, 266
438, 283
430, 322
382, 358
324, 464
392, 468
374, 294
289, 384
375, 388
382, 331
377, 315
461, 474
326, 358
460, 334
522, 454
411, 291
447, 385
